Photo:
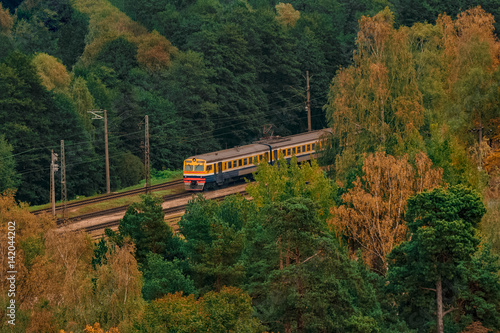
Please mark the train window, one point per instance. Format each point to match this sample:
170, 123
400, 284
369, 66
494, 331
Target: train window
245, 161
209, 168
188, 168
229, 165
198, 167
313, 146
298, 149
266, 156
240, 162
288, 152
308, 147
275, 154
293, 151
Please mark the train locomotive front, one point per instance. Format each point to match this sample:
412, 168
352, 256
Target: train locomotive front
195, 174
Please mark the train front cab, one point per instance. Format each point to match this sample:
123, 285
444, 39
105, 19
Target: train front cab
194, 174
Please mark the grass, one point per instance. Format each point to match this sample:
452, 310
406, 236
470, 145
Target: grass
157, 177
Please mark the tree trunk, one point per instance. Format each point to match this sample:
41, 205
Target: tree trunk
439, 301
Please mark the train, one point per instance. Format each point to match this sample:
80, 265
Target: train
217, 169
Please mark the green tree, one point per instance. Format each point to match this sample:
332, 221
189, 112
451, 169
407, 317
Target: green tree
163, 277
296, 272
430, 272
229, 310
9, 179
214, 240
120, 55
34, 121
281, 181
144, 223
130, 169
301, 280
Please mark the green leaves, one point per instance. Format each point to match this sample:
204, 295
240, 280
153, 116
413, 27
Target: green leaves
144, 223
442, 251
163, 277
214, 240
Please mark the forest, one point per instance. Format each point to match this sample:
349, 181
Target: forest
395, 227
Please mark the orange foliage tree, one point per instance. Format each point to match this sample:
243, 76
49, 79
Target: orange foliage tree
154, 51
377, 96
6, 21
375, 104
373, 210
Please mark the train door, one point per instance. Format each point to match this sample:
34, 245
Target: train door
218, 177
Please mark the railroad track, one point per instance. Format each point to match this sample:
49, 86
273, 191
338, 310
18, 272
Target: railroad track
167, 211
115, 210
111, 196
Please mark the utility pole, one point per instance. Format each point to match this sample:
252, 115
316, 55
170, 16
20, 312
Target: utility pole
147, 169
53, 169
308, 102
97, 115
64, 193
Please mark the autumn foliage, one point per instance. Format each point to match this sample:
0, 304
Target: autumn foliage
52, 72
107, 23
6, 21
377, 97
287, 15
372, 216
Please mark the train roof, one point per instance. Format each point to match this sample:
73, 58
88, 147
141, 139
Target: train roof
261, 146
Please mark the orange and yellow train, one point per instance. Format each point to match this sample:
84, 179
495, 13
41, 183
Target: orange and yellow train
222, 167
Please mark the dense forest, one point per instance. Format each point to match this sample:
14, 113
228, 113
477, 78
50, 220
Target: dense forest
395, 228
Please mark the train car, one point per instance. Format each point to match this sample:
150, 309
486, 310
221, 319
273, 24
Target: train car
218, 168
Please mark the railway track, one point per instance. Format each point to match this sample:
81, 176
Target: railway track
167, 211
117, 209
111, 196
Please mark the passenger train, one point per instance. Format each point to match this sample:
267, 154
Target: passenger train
210, 170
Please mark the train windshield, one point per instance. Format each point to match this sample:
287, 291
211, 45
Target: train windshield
197, 165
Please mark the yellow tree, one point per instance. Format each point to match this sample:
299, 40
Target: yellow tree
372, 214
375, 102
282, 181
84, 100
472, 55
52, 72
29, 239
118, 287
287, 15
